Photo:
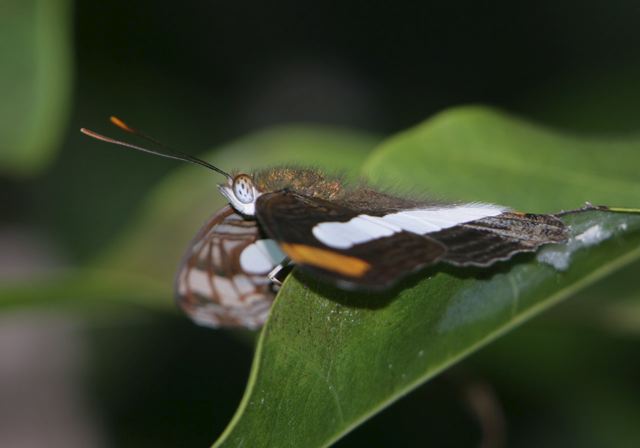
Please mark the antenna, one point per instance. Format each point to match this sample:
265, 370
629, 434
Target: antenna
164, 150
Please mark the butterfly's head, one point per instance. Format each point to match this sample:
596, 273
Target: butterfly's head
241, 193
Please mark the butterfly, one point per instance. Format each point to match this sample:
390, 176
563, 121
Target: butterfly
352, 236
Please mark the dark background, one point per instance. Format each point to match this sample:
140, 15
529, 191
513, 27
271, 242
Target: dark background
199, 73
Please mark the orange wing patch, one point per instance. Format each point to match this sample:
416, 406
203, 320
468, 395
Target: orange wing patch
326, 259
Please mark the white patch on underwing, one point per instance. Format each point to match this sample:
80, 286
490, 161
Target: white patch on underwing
559, 256
261, 257
216, 255
244, 284
364, 228
226, 291
228, 229
229, 245
198, 282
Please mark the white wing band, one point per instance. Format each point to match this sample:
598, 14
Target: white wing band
364, 228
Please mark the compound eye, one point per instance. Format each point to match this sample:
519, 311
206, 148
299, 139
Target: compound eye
243, 189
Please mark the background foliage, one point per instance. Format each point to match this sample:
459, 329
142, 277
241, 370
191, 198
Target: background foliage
90, 235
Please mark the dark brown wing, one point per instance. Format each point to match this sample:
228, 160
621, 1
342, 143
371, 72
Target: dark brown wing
289, 218
488, 240
212, 287
379, 261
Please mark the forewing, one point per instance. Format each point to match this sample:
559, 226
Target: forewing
485, 241
373, 247
377, 263
222, 280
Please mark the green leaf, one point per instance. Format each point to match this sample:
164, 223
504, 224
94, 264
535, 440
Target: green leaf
35, 81
327, 360
84, 291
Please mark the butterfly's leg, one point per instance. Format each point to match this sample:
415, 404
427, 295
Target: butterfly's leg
273, 275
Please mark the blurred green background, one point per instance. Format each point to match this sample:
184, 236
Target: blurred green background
126, 369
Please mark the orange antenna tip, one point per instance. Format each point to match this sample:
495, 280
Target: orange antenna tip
121, 124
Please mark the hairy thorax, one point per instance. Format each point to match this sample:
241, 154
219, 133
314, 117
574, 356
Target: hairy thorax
308, 182
313, 183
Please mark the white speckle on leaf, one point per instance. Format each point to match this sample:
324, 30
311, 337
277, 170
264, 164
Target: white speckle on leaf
593, 235
421, 353
556, 257
559, 256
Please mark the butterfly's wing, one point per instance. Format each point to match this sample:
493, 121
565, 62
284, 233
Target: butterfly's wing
373, 248
289, 218
222, 280
485, 241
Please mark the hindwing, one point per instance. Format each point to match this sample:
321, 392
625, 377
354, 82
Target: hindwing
222, 280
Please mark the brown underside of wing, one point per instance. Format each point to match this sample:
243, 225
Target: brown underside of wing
211, 286
486, 241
